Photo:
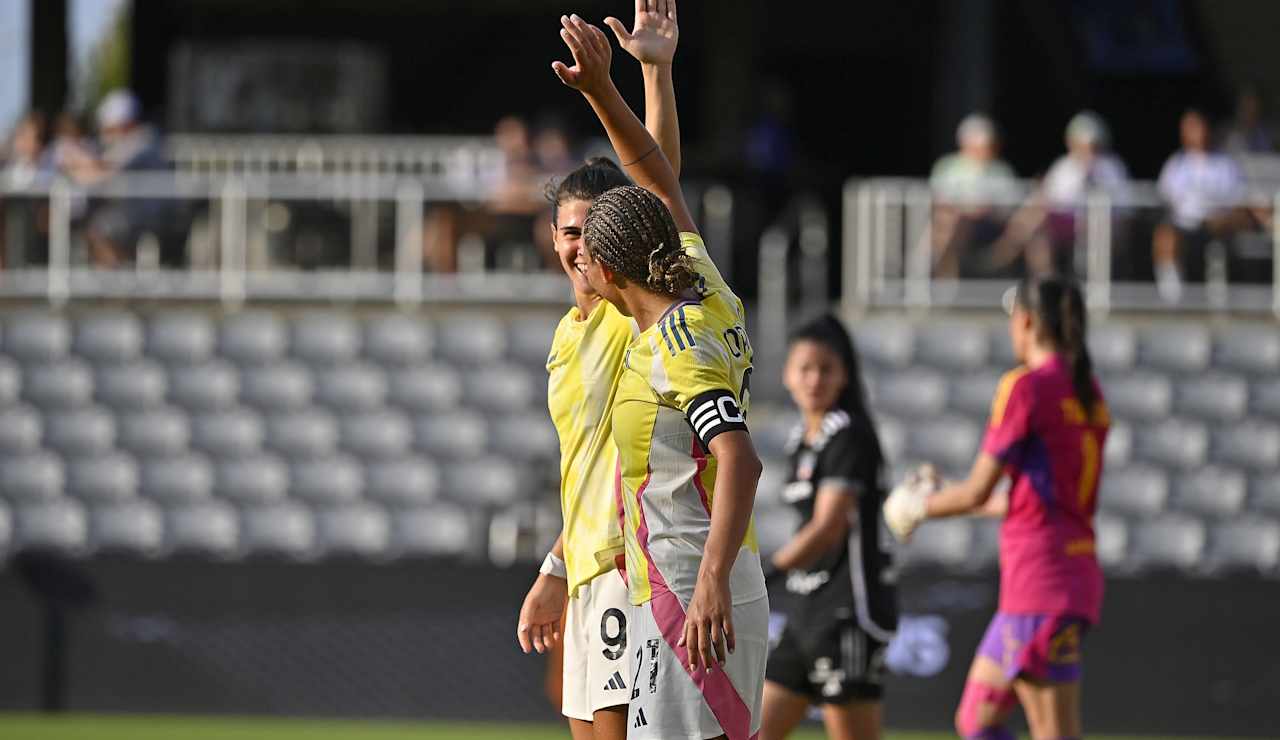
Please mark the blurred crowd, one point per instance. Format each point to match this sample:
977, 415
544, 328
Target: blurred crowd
985, 225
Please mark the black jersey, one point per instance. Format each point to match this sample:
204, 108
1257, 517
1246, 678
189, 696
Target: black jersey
853, 579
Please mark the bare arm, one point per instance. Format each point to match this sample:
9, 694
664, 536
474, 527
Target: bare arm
833, 514
653, 41
641, 156
970, 495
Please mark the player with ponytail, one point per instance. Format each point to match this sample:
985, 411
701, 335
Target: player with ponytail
1048, 426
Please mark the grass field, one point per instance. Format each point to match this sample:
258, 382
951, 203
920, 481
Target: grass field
89, 727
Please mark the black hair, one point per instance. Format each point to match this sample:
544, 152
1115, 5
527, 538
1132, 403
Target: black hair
1058, 307
593, 179
828, 331
631, 230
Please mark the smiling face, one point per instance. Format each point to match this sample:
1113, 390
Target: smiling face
567, 232
815, 376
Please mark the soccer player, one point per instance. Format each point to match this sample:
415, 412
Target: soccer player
831, 651
1048, 427
687, 467
584, 365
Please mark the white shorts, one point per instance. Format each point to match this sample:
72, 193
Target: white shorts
597, 661
669, 703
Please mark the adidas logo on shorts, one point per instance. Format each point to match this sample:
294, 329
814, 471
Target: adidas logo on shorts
615, 683
640, 720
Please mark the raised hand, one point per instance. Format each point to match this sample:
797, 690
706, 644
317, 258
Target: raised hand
654, 35
591, 56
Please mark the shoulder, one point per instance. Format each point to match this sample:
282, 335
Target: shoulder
1014, 387
837, 425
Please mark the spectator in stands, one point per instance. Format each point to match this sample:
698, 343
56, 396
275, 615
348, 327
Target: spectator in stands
1045, 230
127, 145
972, 188
1204, 191
26, 164
1247, 133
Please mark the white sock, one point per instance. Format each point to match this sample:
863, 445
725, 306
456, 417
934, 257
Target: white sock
1168, 282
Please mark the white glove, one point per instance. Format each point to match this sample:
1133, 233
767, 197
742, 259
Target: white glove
906, 506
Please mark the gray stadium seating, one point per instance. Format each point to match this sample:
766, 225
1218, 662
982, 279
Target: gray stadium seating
210, 386
1211, 491
354, 529
887, 343
6, 529
1174, 443
440, 530
329, 480
948, 442
944, 542
1119, 447
377, 435
355, 386
1139, 396
21, 429
1168, 542
454, 434
1002, 358
308, 433
277, 387
1215, 397
1252, 444
952, 345
429, 387
60, 524
1136, 490
1264, 493
973, 392
135, 527
131, 385
325, 339
181, 338
153, 432
109, 476
500, 388
84, 431
471, 338
1248, 349
892, 434
36, 338
10, 382
531, 339
1252, 545
1112, 347
526, 435
488, 480
279, 529
108, 337
405, 482
226, 433
32, 476
1179, 348
1264, 397
176, 478
257, 479
58, 385
1112, 538
911, 393
253, 338
396, 340
207, 527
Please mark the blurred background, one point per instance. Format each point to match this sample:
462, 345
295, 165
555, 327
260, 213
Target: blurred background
276, 292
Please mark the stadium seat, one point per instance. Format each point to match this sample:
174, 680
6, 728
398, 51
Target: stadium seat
407, 481
108, 337
58, 524
330, 480
131, 385
1112, 537
1173, 442
32, 476
455, 434
1264, 397
523, 532
20, 430
226, 433
10, 382
1119, 445
912, 393
1248, 349
325, 338
887, 343
489, 480
1264, 494
205, 527
83, 431
6, 529
253, 479
945, 542
285, 528
892, 434
308, 433
1181, 348
351, 387
362, 529
398, 340
134, 527
1112, 347
438, 530
37, 338
1243, 546
1170, 541
1210, 491
948, 442
1001, 348
471, 339
177, 479
1217, 397
153, 432
279, 386
1252, 444
1139, 396
952, 345
527, 435
531, 339
58, 385
210, 386
253, 338
429, 387
973, 393
1136, 490
377, 435
181, 338
111, 476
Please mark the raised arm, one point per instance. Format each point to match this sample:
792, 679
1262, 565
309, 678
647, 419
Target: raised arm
641, 156
652, 41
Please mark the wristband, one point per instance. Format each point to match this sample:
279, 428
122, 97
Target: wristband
554, 566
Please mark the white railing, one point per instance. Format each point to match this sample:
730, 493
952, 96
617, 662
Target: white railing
888, 257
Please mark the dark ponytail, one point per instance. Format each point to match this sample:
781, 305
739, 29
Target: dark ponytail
590, 181
1058, 306
630, 230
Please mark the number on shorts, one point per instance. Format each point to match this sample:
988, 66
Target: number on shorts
613, 632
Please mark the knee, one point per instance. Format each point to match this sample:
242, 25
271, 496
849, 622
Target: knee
982, 712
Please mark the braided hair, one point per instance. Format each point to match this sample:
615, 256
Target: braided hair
1058, 306
593, 179
630, 230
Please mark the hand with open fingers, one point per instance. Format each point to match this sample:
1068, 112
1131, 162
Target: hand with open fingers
907, 504
654, 34
539, 625
708, 625
592, 56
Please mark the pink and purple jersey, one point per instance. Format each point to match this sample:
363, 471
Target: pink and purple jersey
1052, 452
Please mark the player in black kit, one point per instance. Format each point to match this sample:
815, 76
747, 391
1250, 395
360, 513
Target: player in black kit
843, 606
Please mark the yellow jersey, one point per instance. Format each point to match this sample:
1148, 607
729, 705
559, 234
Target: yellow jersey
686, 380
583, 370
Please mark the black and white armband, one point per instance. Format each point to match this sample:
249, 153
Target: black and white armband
713, 413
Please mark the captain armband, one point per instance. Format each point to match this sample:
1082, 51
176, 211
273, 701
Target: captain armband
713, 413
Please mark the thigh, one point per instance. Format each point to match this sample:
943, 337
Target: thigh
853, 720
1052, 709
783, 710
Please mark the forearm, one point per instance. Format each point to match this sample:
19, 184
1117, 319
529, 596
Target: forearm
808, 545
557, 549
956, 499
660, 117
735, 498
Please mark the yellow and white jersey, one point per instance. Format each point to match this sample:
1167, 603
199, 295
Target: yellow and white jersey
686, 380
584, 367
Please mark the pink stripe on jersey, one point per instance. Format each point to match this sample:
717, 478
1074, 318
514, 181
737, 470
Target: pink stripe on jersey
717, 690
701, 459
